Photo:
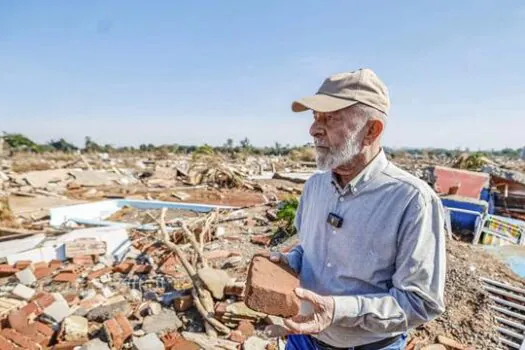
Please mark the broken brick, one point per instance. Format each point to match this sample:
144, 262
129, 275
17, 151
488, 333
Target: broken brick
220, 254
234, 290
174, 341
261, 240
44, 300
270, 288
7, 270
72, 299
99, 273
42, 272
246, 328
20, 340
55, 264
5, 344
66, 277
83, 260
124, 267
237, 337
118, 330
39, 265
22, 264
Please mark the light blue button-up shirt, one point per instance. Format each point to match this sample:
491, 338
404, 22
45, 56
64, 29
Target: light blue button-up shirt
385, 266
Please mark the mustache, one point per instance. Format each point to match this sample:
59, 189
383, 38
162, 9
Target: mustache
319, 143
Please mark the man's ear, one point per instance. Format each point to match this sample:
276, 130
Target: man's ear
375, 128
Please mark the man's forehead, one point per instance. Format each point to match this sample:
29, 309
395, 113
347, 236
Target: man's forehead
344, 111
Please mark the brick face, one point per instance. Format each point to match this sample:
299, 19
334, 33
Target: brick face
20, 340
118, 330
270, 288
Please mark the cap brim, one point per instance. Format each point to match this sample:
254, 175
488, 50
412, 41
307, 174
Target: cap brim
321, 103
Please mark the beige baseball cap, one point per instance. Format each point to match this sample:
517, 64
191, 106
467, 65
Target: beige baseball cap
346, 89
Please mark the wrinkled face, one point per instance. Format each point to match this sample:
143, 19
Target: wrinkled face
338, 137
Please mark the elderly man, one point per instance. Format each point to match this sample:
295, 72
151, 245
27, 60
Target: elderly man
371, 256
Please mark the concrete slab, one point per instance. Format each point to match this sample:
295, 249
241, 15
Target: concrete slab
26, 277
149, 342
23, 292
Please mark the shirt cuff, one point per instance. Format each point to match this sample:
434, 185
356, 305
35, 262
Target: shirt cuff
294, 260
346, 308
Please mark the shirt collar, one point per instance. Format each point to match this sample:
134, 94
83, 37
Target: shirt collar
377, 165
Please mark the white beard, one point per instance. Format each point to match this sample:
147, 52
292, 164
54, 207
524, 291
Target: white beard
329, 159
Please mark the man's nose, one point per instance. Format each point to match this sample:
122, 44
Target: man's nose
316, 130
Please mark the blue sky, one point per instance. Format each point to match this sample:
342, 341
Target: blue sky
132, 72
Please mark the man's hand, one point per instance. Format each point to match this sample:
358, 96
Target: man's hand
316, 321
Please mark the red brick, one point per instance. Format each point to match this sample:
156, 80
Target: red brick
234, 290
72, 299
118, 330
55, 264
83, 260
270, 288
174, 341
261, 239
237, 337
22, 264
42, 272
20, 340
39, 265
99, 273
90, 304
68, 345
5, 344
31, 308
246, 328
220, 254
66, 277
7, 270
44, 300
44, 329
124, 267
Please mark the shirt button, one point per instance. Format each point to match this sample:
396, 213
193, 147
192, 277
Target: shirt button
333, 232
341, 199
329, 264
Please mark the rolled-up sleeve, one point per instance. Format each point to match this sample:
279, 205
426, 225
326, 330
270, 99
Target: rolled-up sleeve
417, 293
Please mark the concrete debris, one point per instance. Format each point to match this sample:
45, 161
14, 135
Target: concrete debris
96, 272
215, 280
23, 292
149, 342
58, 310
75, 328
26, 277
166, 321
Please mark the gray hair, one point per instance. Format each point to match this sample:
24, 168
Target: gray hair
370, 113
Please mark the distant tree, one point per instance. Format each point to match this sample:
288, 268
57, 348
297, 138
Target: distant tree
19, 142
92, 146
229, 144
62, 146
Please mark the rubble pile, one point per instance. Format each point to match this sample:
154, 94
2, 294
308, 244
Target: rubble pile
181, 285
468, 319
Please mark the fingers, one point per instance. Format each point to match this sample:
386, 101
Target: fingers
310, 327
277, 257
316, 299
